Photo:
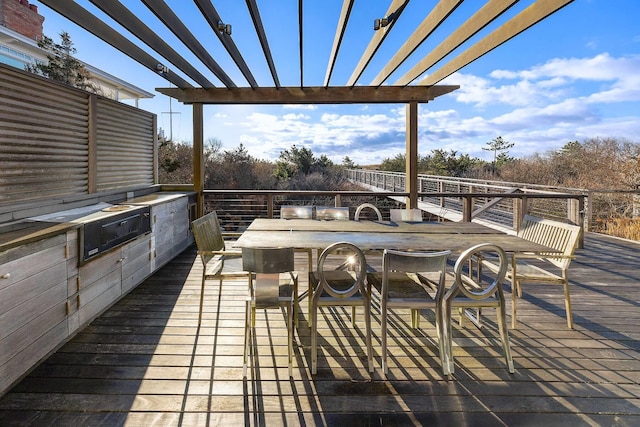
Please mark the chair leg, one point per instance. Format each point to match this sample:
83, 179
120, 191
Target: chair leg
367, 322
448, 329
383, 336
290, 336
201, 301
296, 302
567, 304
442, 336
415, 318
314, 342
247, 333
504, 335
514, 305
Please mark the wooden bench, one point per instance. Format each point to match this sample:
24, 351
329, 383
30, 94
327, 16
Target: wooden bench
552, 268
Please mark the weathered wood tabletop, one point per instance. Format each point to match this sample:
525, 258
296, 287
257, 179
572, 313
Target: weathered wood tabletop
374, 235
264, 224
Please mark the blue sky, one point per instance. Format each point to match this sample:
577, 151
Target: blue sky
575, 75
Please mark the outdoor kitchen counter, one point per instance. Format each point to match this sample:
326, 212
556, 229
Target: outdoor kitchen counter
25, 232
156, 198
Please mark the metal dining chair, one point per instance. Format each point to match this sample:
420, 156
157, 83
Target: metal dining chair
332, 213
367, 206
473, 290
210, 241
296, 212
300, 212
405, 215
275, 286
346, 286
413, 280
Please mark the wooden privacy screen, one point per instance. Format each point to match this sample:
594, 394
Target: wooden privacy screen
57, 141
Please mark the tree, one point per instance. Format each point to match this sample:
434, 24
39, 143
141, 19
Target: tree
448, 163
348, 163
300, 159
175, 162
397, 164
61, 65
498, 145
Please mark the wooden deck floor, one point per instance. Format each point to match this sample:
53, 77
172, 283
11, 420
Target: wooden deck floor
144, 362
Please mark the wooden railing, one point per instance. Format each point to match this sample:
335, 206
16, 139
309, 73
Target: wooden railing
237, 208
496, 201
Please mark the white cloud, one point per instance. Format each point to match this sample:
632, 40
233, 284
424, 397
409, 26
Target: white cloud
539, 108
300, 107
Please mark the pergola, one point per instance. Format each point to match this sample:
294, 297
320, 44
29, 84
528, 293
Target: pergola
456, 50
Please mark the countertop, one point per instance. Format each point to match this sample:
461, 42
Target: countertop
27, 231
30, 231
155, 198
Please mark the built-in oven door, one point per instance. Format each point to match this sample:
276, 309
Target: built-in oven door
99, 236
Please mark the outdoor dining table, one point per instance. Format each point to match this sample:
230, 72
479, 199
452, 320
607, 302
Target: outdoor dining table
311, 234
380, 235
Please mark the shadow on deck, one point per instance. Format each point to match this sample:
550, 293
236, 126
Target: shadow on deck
145, 362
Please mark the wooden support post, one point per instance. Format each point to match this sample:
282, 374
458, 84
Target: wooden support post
270, 206
411, 181
575, 213
198, 156
466, 208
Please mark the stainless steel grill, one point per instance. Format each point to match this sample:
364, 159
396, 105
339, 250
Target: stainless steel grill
103, 226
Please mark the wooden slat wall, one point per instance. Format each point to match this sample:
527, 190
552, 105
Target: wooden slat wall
125, 146
47, 132
43, 135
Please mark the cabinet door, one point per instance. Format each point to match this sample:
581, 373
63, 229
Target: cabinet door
33, 294
136, 262
99, 284
182, 236
170, 230
163, 215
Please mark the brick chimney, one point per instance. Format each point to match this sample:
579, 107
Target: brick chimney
21, 17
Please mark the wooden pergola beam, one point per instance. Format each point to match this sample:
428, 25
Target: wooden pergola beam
483, 17
394, 11
530, 16
309, 95
337, 40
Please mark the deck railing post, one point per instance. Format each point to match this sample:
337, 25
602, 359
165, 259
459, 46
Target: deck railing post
523, 209
575, 209
270, 206
466, 208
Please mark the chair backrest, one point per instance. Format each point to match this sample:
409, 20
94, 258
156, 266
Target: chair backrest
331, 212
478, 289
351, 263
405, 214
296, 212
208, 235
414, 262
558, 235
267, 263
268, 260
367, 206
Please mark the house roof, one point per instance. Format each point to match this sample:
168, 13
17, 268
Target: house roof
23, 50
204, 80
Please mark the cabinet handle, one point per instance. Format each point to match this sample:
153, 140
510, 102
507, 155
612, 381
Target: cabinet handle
6, 276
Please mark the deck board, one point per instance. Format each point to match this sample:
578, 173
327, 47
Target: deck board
145, 362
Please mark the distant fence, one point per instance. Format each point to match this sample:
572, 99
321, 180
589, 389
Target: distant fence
596, 211
237, 208
490, 199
